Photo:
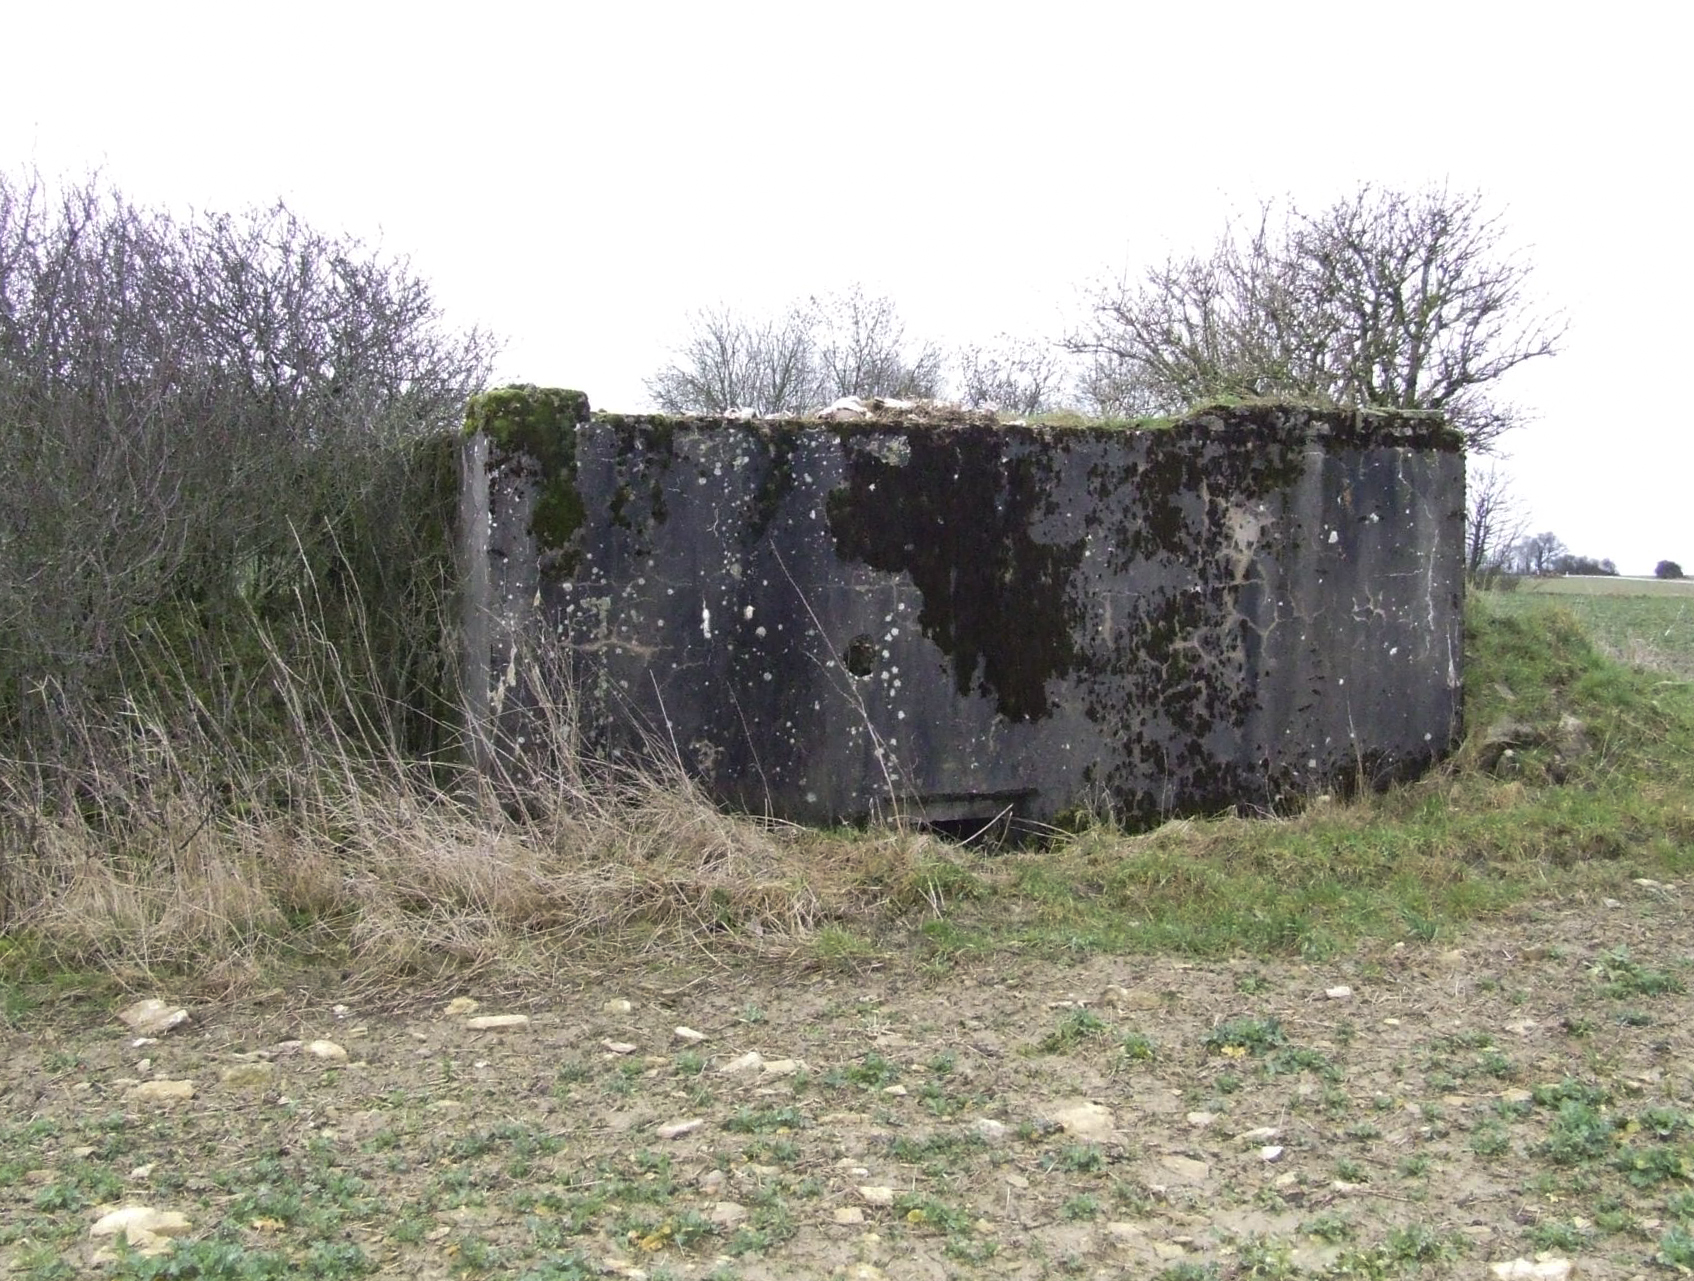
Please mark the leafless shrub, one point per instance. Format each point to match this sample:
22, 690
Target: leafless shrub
815, 351
1013, 376
204, 420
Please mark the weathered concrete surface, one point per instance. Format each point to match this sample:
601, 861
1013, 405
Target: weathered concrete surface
837, 620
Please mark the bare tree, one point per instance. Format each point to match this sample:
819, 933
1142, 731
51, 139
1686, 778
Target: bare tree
863, 351
1017, 376
1495, 522
813, 352
1388, 298
730, 362
1539, 554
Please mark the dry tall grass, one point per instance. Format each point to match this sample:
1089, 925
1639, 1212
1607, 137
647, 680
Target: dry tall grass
174, 853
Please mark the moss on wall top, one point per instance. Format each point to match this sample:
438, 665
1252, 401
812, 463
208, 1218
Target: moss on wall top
1251, 420
539, 423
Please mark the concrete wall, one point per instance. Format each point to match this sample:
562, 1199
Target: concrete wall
831, 621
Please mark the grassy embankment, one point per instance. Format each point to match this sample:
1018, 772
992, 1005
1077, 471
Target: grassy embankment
340, 862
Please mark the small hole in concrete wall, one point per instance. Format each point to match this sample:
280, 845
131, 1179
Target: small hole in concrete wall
860, 658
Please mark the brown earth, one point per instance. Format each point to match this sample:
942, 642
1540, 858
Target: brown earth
1397, 1129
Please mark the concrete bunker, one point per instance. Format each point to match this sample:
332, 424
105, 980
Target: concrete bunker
954, 619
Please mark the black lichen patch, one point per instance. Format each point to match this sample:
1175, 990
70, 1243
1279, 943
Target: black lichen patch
644, 453
1171, 492
780, 441
955, 512
539, 424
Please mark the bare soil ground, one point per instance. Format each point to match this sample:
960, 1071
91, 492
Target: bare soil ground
1525, 1087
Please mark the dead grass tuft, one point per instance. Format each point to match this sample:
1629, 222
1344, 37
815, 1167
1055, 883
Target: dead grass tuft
341, 856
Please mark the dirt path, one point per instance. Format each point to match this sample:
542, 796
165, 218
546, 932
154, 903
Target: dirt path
1407, 1109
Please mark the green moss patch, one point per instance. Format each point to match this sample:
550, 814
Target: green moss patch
540, 424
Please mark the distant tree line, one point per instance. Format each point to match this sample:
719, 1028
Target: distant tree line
822, 348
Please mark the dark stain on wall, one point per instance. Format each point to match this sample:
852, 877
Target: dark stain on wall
955, 514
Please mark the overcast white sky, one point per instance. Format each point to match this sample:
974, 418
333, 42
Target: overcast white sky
577, 177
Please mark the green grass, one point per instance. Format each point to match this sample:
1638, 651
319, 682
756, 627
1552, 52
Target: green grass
1647, 623
1410, 863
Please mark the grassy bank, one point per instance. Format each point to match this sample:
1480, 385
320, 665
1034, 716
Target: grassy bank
1640, 622
338, 860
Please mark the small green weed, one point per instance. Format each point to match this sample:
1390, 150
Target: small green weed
1570, 1090
1137, 1047
1555, 1234
872, 1071
1238, 1037
1330, 1226
1187, 1271
1649, 1167
1676, 1250
1299, 1058
1623, 976
1416, 1243
1490, 1139
1079, 1208
1579, 1133
764, 1120
933, 1213
1348, 1170
1075, 1027
1078, 1158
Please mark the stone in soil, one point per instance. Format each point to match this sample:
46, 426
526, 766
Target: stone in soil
498, 1023
163, 1091
153, 1017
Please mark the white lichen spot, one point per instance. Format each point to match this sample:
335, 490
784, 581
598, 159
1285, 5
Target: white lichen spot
706, 621
747, 612
759, 632
1334, 536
